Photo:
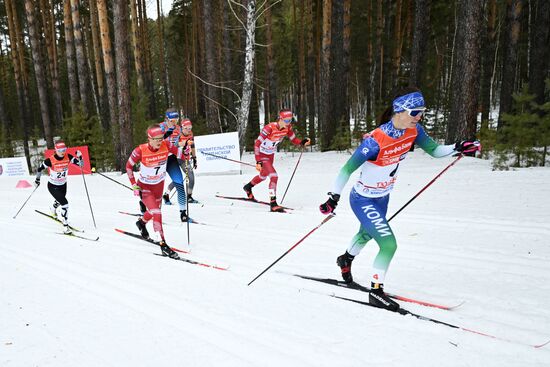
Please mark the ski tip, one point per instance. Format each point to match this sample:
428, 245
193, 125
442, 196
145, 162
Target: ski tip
541, 345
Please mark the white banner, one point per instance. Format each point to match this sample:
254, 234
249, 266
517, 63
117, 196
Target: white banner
212, 149
16, 166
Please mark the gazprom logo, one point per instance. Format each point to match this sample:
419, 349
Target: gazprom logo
365, 151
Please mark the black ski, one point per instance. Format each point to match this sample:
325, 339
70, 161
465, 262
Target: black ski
189, 261
139, 237
79, 236
362, 288
58, 221
192, 221
249, 200
405, 312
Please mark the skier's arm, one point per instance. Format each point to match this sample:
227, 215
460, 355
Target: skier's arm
180, 152
368, 150
45, 164
425, 142
263, 134
292, 136
134, 158
76, 160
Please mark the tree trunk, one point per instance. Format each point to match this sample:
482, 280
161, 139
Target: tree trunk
104, 116
271, 102
228, 97
120, 20
83, 73
310, 72
110, 77
136, 47
463, 117
326, 125
70, 52
50, 35
302, 104
339, 71
379, 60
244, 110
488, 55
212, 92
540, 50
39, 72
398, 41
22, 99
162, 62
421, 32
513, 26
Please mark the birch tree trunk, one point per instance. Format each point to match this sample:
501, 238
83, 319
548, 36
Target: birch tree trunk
39, 72
109, 77
120, 15
244, 109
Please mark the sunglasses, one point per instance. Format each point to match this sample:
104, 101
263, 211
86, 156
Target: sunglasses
287, 121
415, 111
61, 150
157, 139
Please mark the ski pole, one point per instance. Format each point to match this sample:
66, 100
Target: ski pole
228, 159
187, 200
425, 187
291, 177
87, 195
330, 216
22, 206
109, 178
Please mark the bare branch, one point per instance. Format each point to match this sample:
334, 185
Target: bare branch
221, 105
235, 14
269, 7
213, 85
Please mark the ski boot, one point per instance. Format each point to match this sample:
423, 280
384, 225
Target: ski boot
67, 229
274, 207
142, 229
191, 200
183, 216
53, 209
248, 190
378, 298
344, 262
166, 199
167, 251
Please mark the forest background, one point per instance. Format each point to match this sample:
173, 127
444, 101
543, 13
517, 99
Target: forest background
98, 72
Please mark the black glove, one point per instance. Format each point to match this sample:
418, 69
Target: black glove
37, 181
468, 147
194, 160
330, 205
305, 141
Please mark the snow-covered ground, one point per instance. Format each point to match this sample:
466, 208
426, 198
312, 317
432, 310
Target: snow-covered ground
475, 235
